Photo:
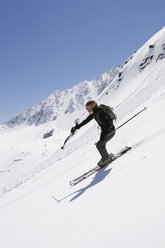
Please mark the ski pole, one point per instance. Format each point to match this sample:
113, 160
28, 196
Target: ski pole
128, 120
131, 118
71, 134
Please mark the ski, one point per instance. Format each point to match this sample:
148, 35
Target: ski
97, 168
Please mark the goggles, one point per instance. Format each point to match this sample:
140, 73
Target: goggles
89, 110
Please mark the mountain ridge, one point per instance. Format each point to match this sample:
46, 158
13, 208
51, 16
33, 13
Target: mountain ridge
66, 100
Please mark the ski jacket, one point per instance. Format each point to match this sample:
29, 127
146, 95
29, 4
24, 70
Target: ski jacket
102, 118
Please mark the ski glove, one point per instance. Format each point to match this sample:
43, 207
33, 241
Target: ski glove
73, 129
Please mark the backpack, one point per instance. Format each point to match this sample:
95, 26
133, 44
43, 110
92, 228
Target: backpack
109, 111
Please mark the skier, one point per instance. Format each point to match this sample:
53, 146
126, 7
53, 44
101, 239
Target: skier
104, 118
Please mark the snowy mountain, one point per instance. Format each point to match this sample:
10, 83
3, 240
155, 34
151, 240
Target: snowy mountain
123, 204
68, 103
65, 103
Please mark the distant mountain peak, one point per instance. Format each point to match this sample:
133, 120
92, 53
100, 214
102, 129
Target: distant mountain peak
65, 102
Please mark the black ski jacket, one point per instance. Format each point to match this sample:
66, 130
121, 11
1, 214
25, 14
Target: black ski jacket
102, 119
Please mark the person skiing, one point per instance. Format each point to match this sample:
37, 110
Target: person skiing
104, 117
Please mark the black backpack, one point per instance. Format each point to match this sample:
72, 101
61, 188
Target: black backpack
109, 111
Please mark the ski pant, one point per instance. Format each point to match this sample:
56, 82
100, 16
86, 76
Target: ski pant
101, 144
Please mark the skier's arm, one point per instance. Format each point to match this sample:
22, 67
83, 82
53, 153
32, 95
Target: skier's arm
88, 119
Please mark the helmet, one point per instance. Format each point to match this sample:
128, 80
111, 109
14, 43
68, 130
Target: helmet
91, 105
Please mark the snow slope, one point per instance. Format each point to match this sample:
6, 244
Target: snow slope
120, 206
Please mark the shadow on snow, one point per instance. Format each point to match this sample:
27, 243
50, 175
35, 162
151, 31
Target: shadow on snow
99, 176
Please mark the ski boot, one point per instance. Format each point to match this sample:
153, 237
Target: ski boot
102, 163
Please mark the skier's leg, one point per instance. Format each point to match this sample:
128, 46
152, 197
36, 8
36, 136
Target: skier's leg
102, 149
101, 145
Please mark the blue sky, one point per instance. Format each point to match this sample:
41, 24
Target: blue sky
48, 45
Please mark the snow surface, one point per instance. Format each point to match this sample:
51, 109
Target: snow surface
123, 204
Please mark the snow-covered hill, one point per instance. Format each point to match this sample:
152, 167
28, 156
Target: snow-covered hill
65, 104
121, 205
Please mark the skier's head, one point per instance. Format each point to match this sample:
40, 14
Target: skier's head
91, 106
